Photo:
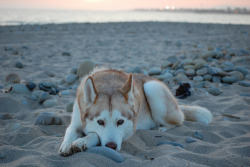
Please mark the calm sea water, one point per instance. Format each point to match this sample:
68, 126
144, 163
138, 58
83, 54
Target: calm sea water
22, 16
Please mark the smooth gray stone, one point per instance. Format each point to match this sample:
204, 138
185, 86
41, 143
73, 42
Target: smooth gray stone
49, 103
136, 69
214, 91
20, 88
12, 78
202, 71
190, 72
70, 78
243, 70
85, 68
198, 78
244, 83
154, 71
216, 79
19, 64
190, 140
198, 135
207, 77
170, 143
47, 118
107, 152
229, 79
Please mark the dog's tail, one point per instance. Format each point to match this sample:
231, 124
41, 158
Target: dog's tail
196, 113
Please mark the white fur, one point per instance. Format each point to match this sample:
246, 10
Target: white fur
197, 113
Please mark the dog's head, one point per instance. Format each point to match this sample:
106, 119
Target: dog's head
112, 117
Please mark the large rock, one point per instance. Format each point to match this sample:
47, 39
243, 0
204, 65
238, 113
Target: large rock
85, 68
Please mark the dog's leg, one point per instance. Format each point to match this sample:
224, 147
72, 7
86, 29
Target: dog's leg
164, 107
72, 133
88, 141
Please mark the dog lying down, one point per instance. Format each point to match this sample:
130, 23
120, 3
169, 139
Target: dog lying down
111, 105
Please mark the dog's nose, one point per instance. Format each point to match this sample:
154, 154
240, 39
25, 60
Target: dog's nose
111, 145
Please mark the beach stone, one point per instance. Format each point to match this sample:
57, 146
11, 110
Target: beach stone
85, 68
107, 152
20, 89
2, 156
71, 78
166, 64
244, 83
49, 73
66, 54
47, 118
214, 90
73, 70
69, 107
213, 70
39, 96
181, 77
154, 71
24, 101
216, 79
197, 135
187, 67
202, 71
229, 79
5, 116
48, 87
167, 77
170, 143
179, 71
12, 78
65, 92
238, 75
199, 63
190, 140
172, 59
209, 54
31, 85
247, 76
19, 64
219, 54
190, 72
243, 70
198, 78
227, 66
207, 77
136, 69
178, 43
49, 103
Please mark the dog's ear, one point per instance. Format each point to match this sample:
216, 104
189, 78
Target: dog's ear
127, 89
90, 91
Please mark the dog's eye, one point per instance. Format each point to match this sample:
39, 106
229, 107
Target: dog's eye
100, 122
120, 122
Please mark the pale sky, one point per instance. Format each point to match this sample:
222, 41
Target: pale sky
120, 4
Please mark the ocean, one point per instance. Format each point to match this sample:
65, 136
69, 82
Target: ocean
38, 16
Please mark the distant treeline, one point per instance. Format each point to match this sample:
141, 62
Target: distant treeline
223, 11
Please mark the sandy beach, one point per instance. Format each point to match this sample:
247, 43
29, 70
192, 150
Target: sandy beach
213, 58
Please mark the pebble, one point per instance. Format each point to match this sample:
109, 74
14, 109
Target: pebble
190, 72
166, 64
24, 101
66, 54
202, 71
69, 107
247, 76
154, 71
244, 83
170, 143
213, 70
73, 70
198, 78
70, 78
209, 54
20, 89
198, 135
216, 79
136, 69
199, 63
207, 77
19, 64
49, 73
6, 116
178, 43
181, 77
199, 85
187, 67
31, 85
238, 75
107, 152
172, 59
85, 68
243, 70
49, 103
47, 118
48, 87
214, 90
12, 78
167, 77
228, 66
179, 71
229, 79
39, 96
65, 92
190, 140
1, 156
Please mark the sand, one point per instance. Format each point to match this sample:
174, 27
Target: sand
226, 141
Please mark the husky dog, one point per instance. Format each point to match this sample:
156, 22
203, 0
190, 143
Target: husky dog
111, 105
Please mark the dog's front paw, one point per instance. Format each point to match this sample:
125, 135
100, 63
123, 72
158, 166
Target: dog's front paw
80, 144
65, 149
